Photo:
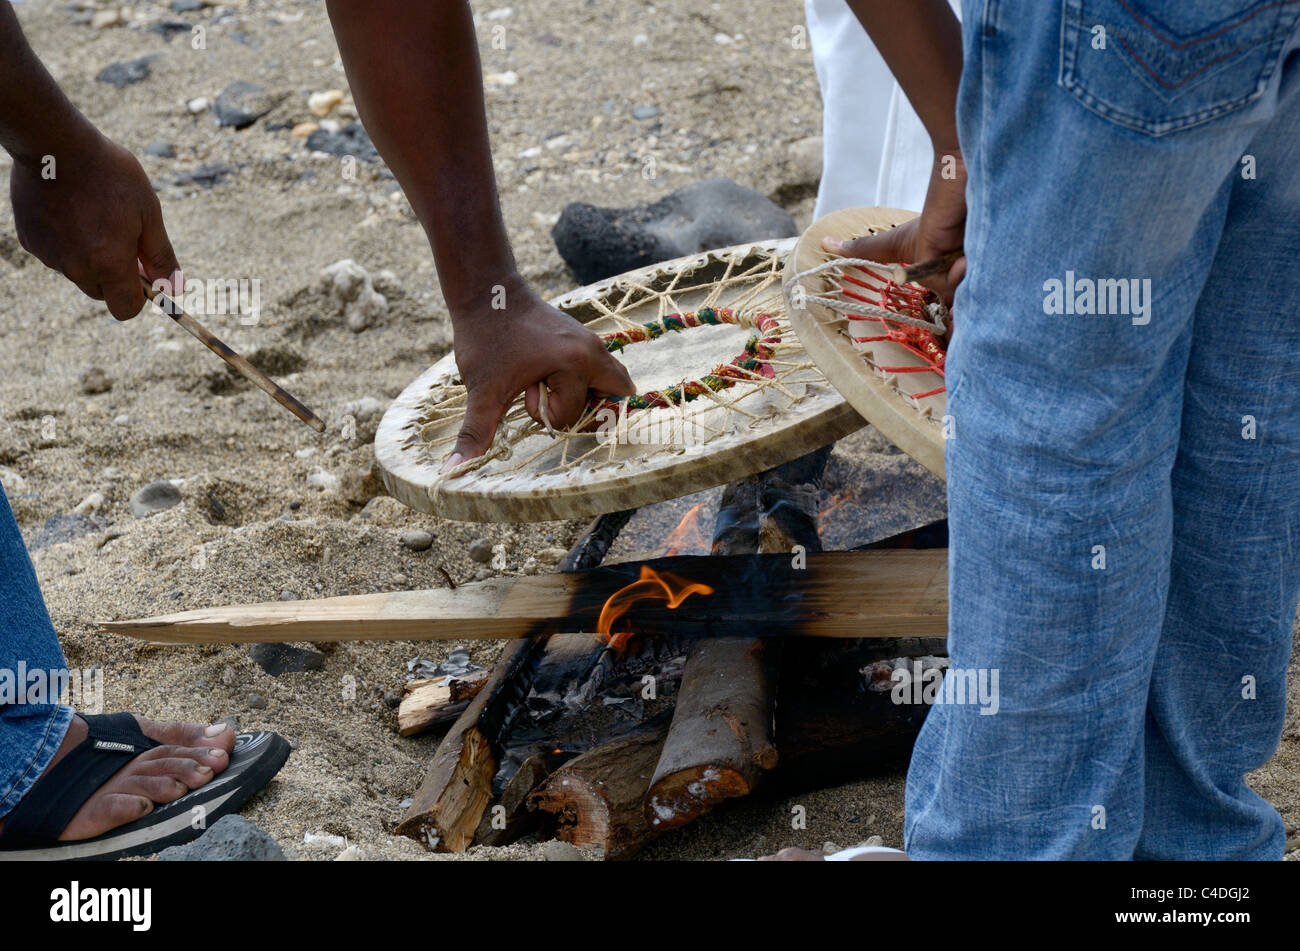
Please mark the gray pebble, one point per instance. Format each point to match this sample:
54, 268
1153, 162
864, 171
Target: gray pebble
205, 176
557, 851
231, 839
241, 104
352, 140
256, 701
160, 150
169, 28
644, 112
288, 595
125, 73
480, 550
229, 720
417, 540
154, 497
393, 699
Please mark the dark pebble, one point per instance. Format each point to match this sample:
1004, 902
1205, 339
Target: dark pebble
126, 73
241, 104
277, 659
205, 175
168, 28
351, 140
600, 242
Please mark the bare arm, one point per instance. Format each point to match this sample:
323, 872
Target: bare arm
416, 79
81, 203
920, 41
415, 76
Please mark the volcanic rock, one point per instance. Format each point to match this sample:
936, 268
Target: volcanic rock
601, 242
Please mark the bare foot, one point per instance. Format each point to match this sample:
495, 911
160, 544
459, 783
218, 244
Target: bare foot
191, 755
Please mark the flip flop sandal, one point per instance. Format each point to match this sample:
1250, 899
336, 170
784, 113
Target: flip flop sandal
32, 828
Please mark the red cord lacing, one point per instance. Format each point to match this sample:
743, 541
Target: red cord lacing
907, 299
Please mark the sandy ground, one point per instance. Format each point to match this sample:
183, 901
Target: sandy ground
250, 526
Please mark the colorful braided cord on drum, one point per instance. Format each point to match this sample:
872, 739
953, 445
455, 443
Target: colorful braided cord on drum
754, 361
909, 299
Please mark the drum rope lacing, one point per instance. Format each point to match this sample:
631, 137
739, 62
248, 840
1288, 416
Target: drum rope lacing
910, 316
771, 360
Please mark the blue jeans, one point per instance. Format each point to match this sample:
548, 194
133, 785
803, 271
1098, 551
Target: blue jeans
1124, 469
30, 730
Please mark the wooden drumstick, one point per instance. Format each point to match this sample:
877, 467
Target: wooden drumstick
251, 373
914, 272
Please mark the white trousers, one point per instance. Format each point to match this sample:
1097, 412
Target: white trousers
874, 149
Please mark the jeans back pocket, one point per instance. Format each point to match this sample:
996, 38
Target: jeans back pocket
1160, 66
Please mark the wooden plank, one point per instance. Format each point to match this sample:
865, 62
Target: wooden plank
886, 593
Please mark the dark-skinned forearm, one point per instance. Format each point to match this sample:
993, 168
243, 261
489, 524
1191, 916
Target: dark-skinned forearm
415, 76
36, 119
920, 41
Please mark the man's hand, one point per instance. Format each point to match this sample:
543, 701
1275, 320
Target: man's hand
94, 217
509, 352
937, 231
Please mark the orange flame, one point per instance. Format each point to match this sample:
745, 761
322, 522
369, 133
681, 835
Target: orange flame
831, 505
687, 536
652, 585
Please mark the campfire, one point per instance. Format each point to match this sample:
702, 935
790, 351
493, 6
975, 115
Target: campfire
609, 739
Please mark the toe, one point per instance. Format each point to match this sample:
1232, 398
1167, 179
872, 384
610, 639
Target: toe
104, 812
218, 735
213, 757
158, 789
190, 771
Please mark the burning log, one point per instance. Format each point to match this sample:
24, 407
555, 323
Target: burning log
510, 816
720, 742
447, 809
597, 798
